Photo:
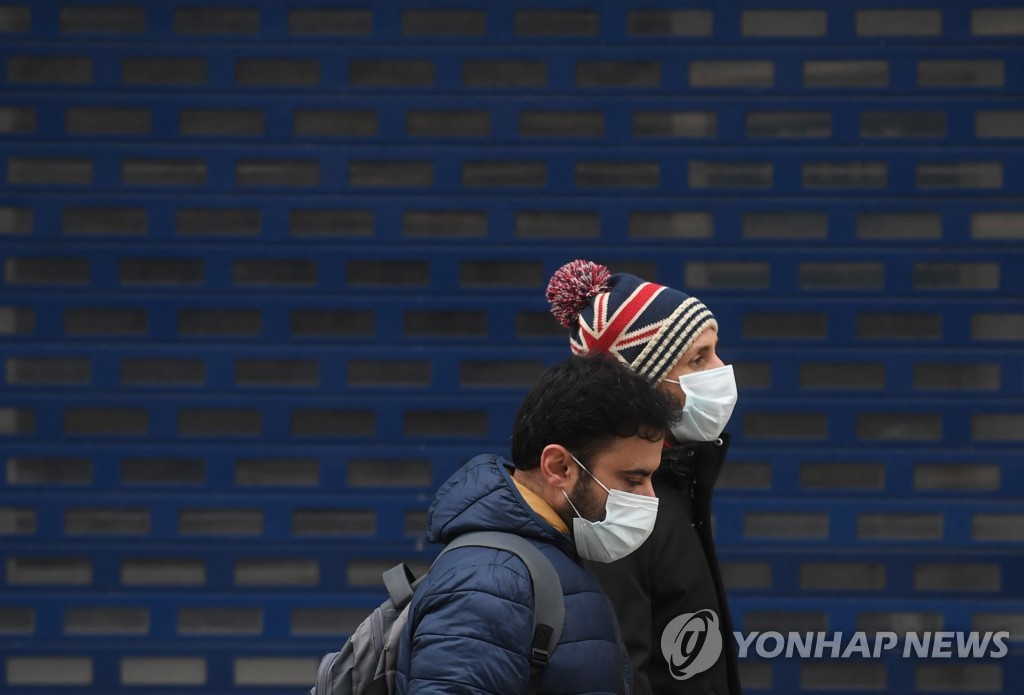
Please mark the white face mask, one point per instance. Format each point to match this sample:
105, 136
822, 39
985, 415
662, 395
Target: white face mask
710, 399
628, 521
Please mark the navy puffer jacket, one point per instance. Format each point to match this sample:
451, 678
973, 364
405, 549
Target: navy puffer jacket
471, 620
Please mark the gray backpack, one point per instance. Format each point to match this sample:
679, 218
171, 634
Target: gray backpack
367, 662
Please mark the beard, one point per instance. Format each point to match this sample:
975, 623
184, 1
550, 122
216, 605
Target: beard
584, 497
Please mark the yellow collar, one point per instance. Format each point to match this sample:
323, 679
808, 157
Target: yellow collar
544, 510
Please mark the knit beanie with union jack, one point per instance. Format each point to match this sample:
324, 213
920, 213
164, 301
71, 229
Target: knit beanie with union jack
646, 326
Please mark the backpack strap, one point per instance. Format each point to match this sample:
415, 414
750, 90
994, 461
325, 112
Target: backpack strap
548, 602
399, 582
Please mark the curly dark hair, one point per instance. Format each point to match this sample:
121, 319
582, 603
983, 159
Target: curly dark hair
583, 404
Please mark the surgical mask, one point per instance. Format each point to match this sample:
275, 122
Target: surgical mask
710, 399
628, 521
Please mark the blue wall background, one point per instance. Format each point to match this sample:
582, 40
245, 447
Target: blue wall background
272, 272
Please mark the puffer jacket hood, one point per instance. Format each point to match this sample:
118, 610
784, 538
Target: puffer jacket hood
481, 496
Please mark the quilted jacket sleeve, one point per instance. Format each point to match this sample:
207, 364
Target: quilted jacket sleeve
471, 626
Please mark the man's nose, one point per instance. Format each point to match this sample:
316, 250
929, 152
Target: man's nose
715, 362
647, 489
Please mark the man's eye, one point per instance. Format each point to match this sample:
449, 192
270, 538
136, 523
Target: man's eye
634, 483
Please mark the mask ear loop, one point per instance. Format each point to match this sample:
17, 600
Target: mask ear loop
571, 504
678, 381
588, 473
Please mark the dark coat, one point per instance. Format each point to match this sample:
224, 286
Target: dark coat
675, 572
471, 620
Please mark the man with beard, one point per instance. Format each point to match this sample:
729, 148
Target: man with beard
668, 594
585, 443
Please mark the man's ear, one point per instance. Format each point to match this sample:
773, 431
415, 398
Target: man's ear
557, 467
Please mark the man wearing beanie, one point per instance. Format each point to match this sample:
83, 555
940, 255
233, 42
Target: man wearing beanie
668, 595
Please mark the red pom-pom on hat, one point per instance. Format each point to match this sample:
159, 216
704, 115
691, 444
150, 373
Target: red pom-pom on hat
573, 286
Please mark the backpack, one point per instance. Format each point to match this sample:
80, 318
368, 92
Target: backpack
367, 662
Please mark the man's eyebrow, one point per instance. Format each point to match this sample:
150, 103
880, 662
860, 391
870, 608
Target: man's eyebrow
638, 471
699, 350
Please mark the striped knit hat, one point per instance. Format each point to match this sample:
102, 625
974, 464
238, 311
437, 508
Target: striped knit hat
647, 326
